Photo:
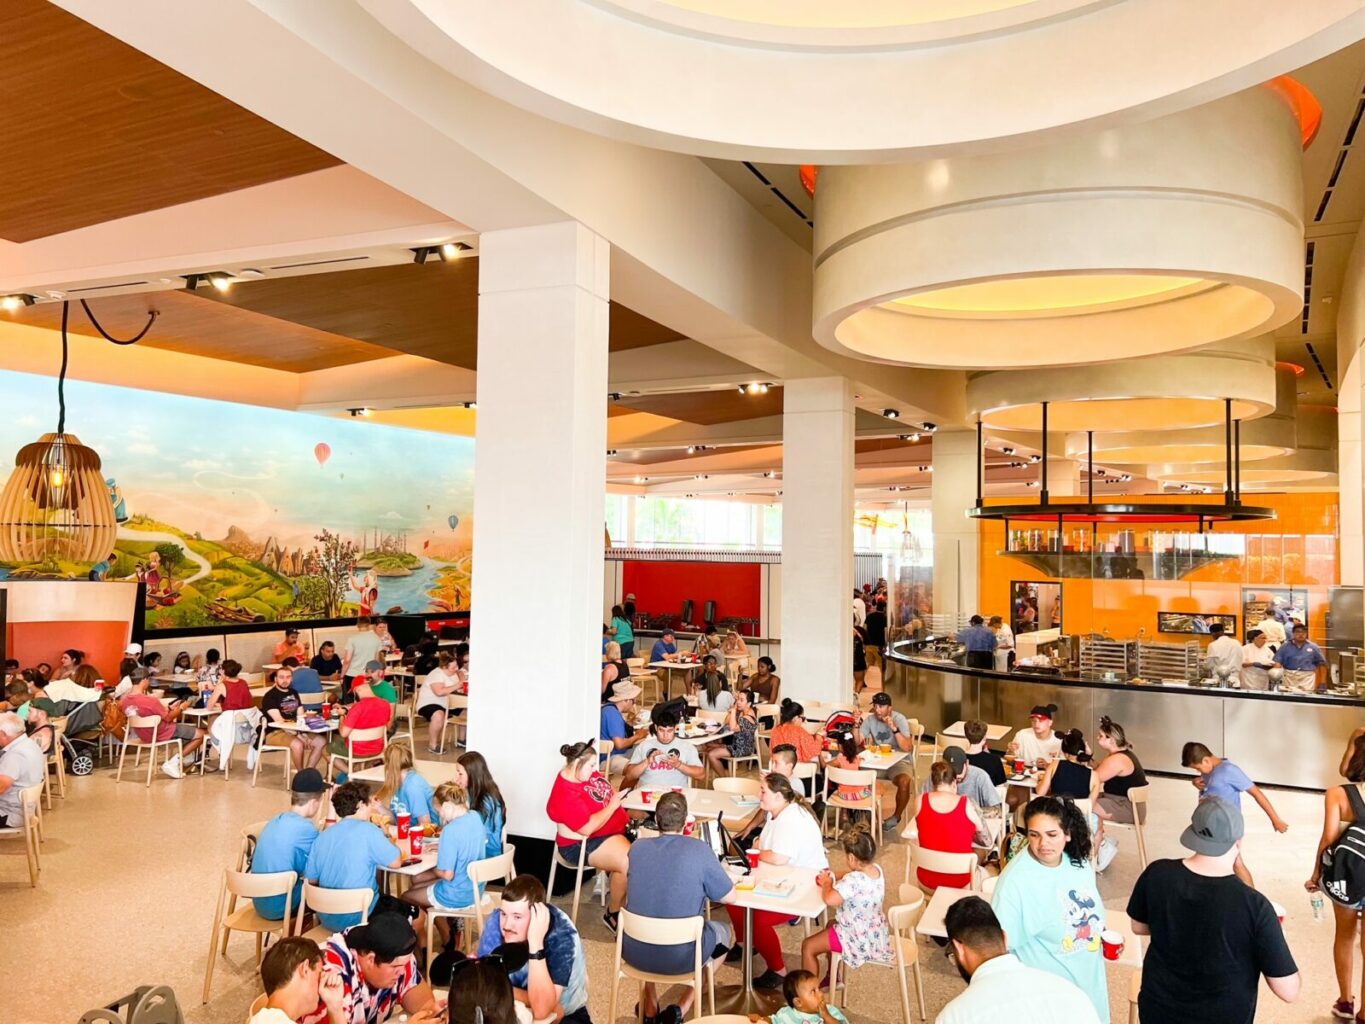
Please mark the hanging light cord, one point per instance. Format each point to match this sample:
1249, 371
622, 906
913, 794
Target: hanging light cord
66, 351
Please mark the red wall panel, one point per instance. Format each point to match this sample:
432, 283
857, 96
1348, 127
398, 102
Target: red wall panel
661, 587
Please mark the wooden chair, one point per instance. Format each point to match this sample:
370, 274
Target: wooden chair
1139, 796
55, 762
130, 739
663, 932
321, 900
30, 804
228, 919
763, 737
227, 764
272, 748
455, 702
739, 787
257, 1005
491, 869
556, 859
941, 863
250, 834
351, 758
711, 716
312, 701
905, 947
861, 777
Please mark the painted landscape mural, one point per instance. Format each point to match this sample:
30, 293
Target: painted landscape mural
235, 514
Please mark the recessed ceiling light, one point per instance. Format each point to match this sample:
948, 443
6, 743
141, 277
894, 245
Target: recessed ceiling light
611, 452
891, 414
1008, 451
470, 405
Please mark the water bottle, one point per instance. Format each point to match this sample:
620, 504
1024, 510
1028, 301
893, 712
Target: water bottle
1316, 902
206, 692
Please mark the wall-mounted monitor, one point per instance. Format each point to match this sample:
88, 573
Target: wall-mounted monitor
1035, 606
1194, 622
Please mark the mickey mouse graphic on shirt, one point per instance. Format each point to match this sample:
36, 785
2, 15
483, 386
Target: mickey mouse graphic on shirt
1084, 923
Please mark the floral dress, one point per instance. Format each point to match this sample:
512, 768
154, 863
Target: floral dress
742, 742
863, 931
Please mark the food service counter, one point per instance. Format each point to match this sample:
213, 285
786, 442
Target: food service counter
1279, 739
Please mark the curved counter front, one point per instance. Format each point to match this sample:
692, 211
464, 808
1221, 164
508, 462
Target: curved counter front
1279, 739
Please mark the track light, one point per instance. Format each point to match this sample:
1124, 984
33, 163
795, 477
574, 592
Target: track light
1035, 458
361, 411
221, 280
10, 303
639, 479
769, 475
615, 396
891, 414
611, 452
1008, 451
914, 438
470, 405
757, 388
445, 252
929, 428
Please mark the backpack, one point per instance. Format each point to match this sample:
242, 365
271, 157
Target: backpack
1343, 863
114, 721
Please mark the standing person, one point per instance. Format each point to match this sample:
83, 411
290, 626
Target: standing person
671, 877
1048, 903
1219, 777
583, 801
1305, 666
1257, 657
485, 799
622, 631
22, 765
874, 633
433, 699
859, 660
1343, 806
860, 931
1273, 628
980, 643
613, 724
628, 606
791, 836
361, 648
887, 726
1119, 772
554, 980
291, 647
1000, 987
140, 703
347, 854
859, 609
1224, 654
981, 756
1004, 642
661, 760
287, 840
1193, 907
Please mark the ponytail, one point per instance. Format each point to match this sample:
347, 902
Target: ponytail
1072, 820
782, 786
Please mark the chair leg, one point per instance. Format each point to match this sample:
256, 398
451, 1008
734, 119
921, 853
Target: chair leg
615, 991
577, 890
919, 991
31, 851
123, 752
151, 765
213, 944
61, 774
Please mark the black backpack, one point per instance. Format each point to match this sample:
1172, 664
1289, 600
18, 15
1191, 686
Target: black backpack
1343, 863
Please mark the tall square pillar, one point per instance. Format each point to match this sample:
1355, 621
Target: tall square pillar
539, 495
817, 539
956, 547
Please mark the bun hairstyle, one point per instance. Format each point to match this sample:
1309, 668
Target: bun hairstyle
790, 711
857, 842
575, 753
1073, 745
1072, 821
848, 745
782, 786
1114, 731
941, 774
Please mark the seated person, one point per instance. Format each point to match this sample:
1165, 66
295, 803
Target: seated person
327, 662
281, 704
886, 726
290, 647
661, 760
554, 981
583, 802
972, 782
232, 692
741, 721
433, 698
22, 765
782, 762
483, 993
806, 1002
617, 708
347, 855
791, 730
295, 983
447, 886
665, 648
368, 712
1071, 775
377, 966
1038, 744
306, 680
141, 704
287, 840
713, 690
981, 756
946, 822
404, 789
79, 687
374, 678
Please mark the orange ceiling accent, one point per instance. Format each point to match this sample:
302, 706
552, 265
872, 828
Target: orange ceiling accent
1304, 105
809, 172
1283, 365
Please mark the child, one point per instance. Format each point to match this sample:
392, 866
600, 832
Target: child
447, 886
1221, 778
847, 759
805, 1003
859, 932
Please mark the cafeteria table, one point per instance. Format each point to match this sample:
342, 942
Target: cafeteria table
671, 667
993, 732
803, 901
435, 772
880, 761
701, 802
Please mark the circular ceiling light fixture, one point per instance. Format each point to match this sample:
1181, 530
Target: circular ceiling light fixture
1152, 238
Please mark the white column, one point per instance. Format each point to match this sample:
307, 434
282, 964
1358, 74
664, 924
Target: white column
543, 426
1063, 478
817, 539
953, 492
1350, 453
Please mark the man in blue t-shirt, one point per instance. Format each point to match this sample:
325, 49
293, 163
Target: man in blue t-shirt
287, 840
665, 648
555, 976
1219, 777
349, 853
617, 709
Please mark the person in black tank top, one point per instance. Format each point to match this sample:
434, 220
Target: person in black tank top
1120, 772
1070, 776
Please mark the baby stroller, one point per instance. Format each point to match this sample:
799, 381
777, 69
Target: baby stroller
80, 739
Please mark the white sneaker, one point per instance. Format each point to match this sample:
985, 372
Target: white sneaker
173, 769
1109, 849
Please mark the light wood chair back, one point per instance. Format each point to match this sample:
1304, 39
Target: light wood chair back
739, 787
711, 716
257, 1005
557, 858
902, 919
378, 732
312, 700
661, 931
859, 777
322, 900
30, 806
132, 739
501, 868
227, 918
1138, 796
940, 863
250, 834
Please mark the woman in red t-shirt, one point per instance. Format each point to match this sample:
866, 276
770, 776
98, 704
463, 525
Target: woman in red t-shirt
582, 801
947, 823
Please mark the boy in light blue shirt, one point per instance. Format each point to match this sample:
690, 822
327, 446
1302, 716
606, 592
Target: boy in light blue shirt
347, 855
287, 840
1221, 778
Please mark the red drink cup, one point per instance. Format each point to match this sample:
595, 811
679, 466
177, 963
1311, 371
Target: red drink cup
690, 826
1113, 944
1018, 766
752, 854
647, 795
415, 838
404, 823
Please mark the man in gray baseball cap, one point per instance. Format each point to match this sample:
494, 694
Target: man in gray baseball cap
1212, 937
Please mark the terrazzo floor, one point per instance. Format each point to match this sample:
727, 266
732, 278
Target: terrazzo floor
130, 875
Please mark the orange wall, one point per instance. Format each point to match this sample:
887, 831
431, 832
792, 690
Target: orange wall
1298, 548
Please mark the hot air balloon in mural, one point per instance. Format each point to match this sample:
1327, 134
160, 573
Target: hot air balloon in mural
322, 451
454, 521
426, 544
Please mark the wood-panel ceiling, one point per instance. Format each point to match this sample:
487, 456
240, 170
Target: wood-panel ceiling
188, 322
92, 129
428, 309
707, 408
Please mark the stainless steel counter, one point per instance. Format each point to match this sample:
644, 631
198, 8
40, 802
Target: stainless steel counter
1279, 739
